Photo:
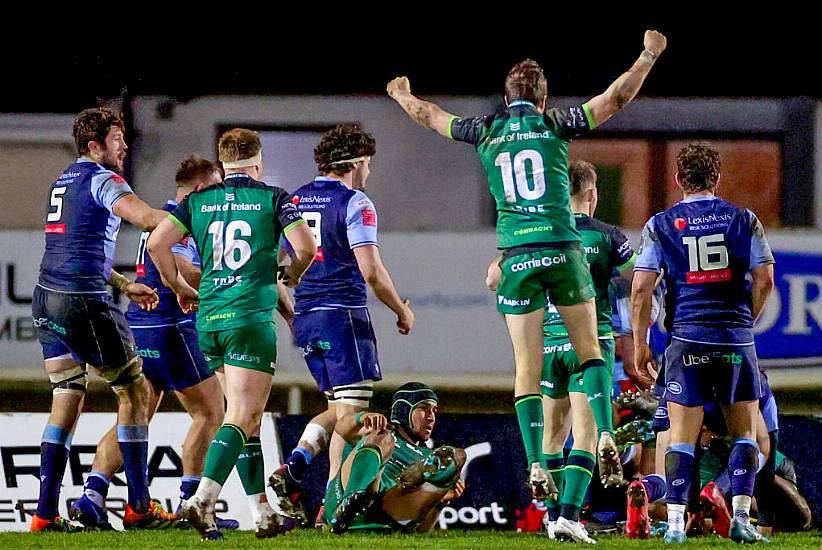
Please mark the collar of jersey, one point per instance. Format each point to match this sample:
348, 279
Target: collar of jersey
236, 175
698, 198
171, 202
522, 103
326, 179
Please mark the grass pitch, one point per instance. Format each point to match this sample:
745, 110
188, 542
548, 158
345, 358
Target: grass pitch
313, 540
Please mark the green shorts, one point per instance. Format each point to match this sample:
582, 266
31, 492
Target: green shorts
374, 518
561, 371
562, 273
251, 347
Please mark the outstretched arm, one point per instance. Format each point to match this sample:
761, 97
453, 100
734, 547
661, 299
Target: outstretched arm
134, 210
625, 88
424, 113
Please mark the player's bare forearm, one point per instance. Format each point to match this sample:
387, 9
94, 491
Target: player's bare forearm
135, 211
188, 271
628, 363
762, 283
285, 304
348, 428
642, 292
426, 114
431, 518
625, 88
384, 290
303, 250
159, 246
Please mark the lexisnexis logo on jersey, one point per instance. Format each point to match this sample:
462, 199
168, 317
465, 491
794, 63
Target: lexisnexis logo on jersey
701, 223
546, 261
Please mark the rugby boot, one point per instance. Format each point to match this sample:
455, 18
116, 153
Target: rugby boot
93, 517
56, 524
347, 511
289, 496
746, 533
153, 518
715, 508
638, 523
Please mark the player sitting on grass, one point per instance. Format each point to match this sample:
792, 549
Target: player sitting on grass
389, 478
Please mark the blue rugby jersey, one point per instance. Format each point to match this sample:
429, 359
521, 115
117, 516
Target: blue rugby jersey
81, 229
168, 312
707, 247
341, 219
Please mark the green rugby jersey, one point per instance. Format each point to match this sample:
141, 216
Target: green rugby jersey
525, 155
405, 454
237, 227
606, 248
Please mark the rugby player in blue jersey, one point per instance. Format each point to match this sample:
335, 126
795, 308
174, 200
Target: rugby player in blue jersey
718, 275
166, 339
332, 323
77, 322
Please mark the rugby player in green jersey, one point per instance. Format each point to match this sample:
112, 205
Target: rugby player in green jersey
525, 154
566, 386
389, 478
237, 226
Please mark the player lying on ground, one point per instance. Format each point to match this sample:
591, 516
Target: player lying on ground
389, 478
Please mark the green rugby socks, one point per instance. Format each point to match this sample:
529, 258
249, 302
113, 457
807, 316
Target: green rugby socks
529, 417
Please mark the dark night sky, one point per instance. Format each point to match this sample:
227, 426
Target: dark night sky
709, 56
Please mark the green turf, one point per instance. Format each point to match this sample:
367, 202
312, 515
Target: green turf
161, 540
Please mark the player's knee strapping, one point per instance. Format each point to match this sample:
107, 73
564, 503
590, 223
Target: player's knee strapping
355, 395
127, 375
71, 381
316, 437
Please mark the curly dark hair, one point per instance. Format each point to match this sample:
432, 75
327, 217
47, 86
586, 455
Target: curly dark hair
194, 169
238, 144
698, 165
345, 141
583, 176
526, 81
94, 125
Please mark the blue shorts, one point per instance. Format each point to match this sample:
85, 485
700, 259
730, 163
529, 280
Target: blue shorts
87, 327
714, 418
339, 346
698, 374
171, 358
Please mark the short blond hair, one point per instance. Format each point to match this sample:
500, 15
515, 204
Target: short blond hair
238, 144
